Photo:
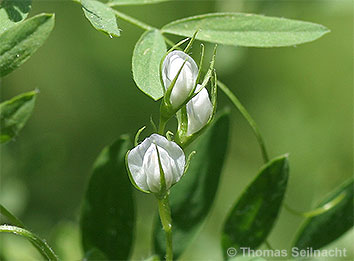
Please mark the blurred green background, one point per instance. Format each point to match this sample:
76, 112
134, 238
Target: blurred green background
300, 96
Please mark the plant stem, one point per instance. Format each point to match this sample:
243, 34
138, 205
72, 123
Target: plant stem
165, 216
133, 21
248, 118
41, 245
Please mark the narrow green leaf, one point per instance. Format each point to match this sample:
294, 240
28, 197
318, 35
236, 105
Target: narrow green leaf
40, 244
246, 29
320, 230
14, 114
19, 43
12, 12
148, 52
10, 217
192, 198
101, 16
252, 218
134, 2
108, 213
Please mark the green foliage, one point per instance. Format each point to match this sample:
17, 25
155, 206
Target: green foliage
253, 216
108, 212
40, 244
320, 230
246, 29
14, 114
12, 12
148, 52
101, 16
19, 229
19, 43
192, 198
134, 2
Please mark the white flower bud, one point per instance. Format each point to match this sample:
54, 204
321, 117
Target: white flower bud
199, 110
144, 166
186, 79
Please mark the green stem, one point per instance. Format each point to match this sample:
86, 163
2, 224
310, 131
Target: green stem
248, 118
318, 211
162, 126
41, 245
165, 216
127, 18
133, 21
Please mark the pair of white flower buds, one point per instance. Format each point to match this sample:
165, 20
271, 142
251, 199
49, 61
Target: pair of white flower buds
145, 161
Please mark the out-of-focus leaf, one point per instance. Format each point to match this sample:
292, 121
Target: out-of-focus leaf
148, 52
19, 43
320, 230
246, 29
108, 212
134, 2
101, 16
14, 114
12, 12
253, 216
192, 198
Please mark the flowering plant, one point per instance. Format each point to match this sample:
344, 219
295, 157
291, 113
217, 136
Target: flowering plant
181, 160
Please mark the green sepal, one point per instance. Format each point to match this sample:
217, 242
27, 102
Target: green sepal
137, 135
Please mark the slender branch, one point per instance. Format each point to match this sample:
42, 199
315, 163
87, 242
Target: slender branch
165, 216
318, 211
248, 118
41, 245
127, 18
133, 21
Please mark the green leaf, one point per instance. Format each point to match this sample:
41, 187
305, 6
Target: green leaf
134, 2
320, 230
19, 43
14, 114
12, 12
41, 245
101, 16
108, 213
148, 52
192, 198
246, 29
10, 217
252, 218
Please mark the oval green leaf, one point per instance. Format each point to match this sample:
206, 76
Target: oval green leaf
14, 114
192, 198
19, 43
253, 216
320, 230
101, 16
246, 29
147, 55
12, 12
134, 2
108, 212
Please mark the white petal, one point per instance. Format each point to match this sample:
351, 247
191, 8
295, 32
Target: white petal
151, 169
199, 110
135, 164
185, 81
175, 152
